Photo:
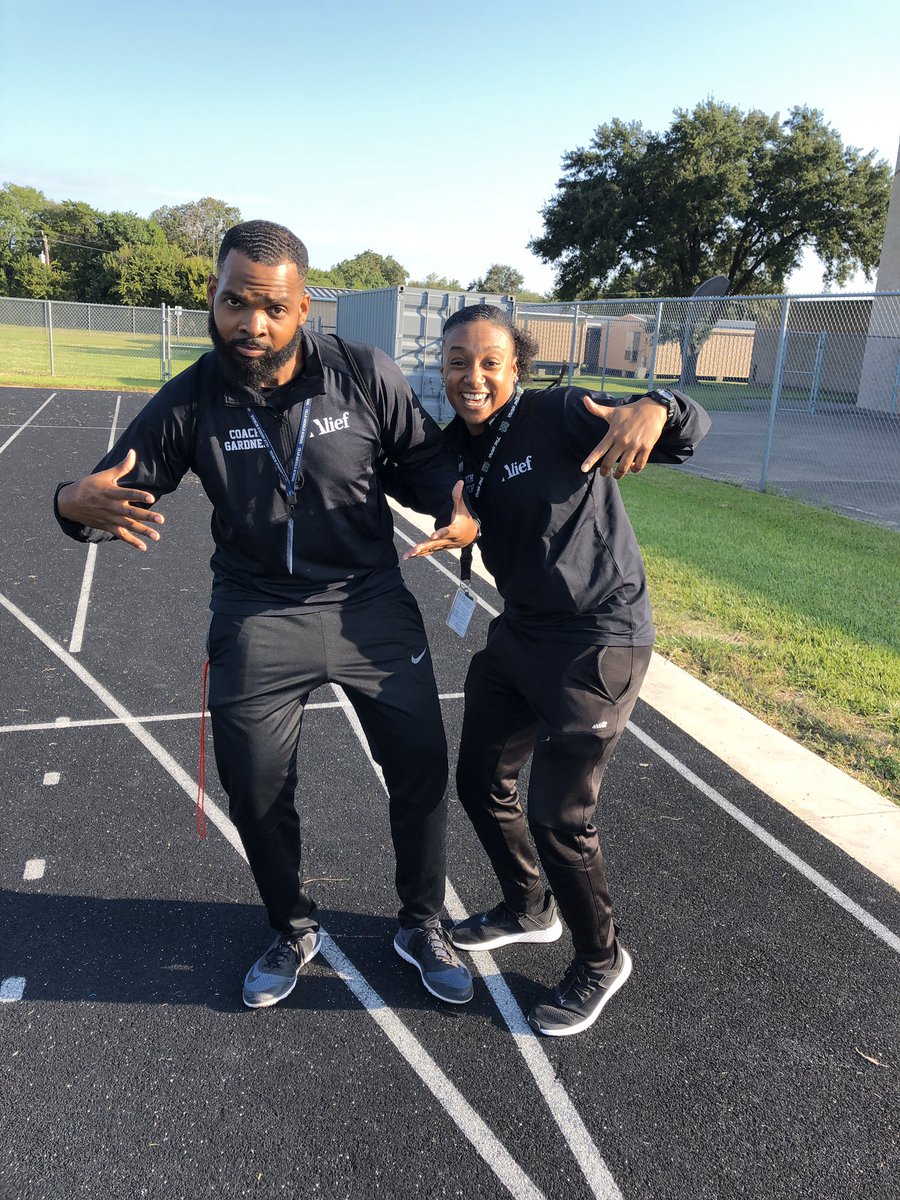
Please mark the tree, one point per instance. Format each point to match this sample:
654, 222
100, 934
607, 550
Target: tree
157, 273
317, 277
33, 279
720, 192
499, 277
197, 227
20, 237
438, 282
369, 270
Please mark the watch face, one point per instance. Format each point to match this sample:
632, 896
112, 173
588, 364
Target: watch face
665, 393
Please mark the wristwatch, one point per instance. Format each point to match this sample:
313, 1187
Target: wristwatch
667, 399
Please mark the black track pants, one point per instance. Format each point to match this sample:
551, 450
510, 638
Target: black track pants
262, 669
568, 704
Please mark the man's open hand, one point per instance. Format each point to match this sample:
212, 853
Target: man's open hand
461, 530
100, 503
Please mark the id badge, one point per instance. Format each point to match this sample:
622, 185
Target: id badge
461, 611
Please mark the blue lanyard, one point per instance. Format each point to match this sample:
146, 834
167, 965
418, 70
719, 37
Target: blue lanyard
289, 481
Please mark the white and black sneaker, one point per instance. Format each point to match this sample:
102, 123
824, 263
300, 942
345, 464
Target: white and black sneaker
576, 1002
274, 975
501, 925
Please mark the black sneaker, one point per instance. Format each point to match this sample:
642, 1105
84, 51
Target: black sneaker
500, 925
578, 1001
442, 972
274, 975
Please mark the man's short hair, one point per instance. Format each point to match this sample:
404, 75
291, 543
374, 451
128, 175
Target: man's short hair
265, 242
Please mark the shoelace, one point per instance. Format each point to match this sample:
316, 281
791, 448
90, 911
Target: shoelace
436, 939
578, 979
278, 954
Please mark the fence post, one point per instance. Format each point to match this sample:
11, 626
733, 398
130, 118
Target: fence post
893, 408
48, 317
653, 351
605, 353
162, 342
573, 342
817, 371
776, 389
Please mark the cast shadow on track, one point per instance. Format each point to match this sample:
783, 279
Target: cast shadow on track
164, 952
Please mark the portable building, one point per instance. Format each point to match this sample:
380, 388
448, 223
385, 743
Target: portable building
406, 323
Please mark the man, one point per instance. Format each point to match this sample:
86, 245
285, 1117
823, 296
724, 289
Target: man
284, 429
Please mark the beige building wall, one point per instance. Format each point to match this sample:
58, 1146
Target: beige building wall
554, 336
726, 354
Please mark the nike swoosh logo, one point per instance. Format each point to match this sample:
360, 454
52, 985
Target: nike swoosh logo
417, 658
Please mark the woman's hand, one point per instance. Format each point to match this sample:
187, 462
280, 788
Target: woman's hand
634, 430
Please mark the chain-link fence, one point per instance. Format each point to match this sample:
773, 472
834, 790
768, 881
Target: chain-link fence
804, 390
70, 341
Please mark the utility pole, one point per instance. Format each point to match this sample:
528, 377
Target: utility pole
46, 242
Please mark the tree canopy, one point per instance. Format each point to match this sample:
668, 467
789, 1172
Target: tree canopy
720, 192
368, 269
499, 277
197, 227
438, 283
70, 251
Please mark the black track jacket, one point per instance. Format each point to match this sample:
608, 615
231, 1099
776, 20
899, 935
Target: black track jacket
343, 545
558, 542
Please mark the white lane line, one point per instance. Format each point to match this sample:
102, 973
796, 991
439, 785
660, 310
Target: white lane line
51, 778
84, 597
825, 885
562, 1109
450, 1098
68, 723
470, 1124
446, 571
77, 638
162, 756
12, 989
834, 893
13, 437
34, 868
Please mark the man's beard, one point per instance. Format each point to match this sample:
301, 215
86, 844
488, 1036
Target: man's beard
258, 372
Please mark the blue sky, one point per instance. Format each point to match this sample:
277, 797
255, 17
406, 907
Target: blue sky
430, 132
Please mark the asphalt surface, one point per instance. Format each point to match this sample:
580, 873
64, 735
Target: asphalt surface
848, 461
753, 1053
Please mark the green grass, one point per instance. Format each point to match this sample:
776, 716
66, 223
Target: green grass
715, 397
85, 359
792, 612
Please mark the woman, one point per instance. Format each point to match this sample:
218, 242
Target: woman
564, 663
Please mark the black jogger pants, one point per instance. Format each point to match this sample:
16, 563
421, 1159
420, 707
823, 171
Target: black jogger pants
262, 669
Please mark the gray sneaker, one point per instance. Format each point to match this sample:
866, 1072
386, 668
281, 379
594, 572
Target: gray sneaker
501, 925
442, 972
274, 975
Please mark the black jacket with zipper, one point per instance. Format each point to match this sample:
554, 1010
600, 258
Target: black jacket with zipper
343, 547
557, 541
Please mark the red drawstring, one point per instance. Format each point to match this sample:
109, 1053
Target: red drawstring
200, 806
